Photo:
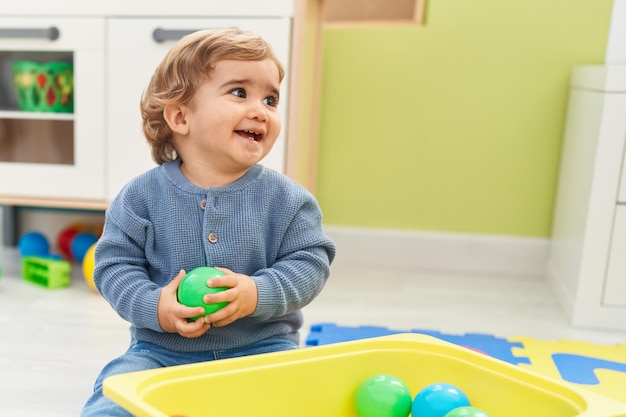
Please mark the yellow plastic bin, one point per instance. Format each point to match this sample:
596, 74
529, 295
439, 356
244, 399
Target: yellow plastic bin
322, 381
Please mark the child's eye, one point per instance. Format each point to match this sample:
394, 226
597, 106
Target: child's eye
239, 92
271, 101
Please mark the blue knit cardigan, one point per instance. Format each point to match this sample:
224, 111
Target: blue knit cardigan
263, 225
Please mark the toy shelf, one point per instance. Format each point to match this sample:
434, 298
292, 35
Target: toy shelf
368, 12
25, 115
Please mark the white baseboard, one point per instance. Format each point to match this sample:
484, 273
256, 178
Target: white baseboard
470, 253
563, 294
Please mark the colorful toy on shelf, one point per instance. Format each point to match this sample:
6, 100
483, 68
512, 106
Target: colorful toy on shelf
383, 396
97, 229
81, 244
89, 263
33, 244
74, 240
193, 288
44, 86
46, 272
65, 237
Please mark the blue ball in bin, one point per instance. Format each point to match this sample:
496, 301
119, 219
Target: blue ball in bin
81, 244
438, 399
33, 244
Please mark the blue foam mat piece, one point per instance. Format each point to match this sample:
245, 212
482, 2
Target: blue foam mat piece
581, 370
500, 348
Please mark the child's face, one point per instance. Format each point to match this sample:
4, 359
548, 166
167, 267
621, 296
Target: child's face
233, 118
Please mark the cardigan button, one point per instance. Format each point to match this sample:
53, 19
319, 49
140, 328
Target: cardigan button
203, 204
213, 237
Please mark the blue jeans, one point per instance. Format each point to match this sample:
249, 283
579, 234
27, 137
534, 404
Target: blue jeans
142, 356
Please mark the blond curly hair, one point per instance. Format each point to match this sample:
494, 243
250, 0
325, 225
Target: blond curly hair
186, 66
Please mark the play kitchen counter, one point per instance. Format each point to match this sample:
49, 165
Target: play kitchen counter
82, 156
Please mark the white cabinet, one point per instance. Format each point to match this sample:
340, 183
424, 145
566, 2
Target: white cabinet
84, 158
54, 155
586, 265
615, 289
621, 196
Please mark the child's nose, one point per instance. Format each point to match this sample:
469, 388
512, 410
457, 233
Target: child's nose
258, 111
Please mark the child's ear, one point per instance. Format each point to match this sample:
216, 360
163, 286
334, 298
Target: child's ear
174, 115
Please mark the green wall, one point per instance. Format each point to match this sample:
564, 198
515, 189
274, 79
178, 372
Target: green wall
456, 125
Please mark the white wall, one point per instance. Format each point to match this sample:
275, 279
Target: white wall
616, 45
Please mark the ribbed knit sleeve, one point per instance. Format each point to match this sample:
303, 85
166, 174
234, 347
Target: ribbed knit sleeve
122, 271
121, 275
302, 266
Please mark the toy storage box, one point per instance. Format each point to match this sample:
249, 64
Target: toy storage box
322, 381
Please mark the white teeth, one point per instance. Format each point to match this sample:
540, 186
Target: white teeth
254, 134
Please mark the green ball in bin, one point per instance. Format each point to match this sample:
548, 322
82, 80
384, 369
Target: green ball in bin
383, 395
193, 288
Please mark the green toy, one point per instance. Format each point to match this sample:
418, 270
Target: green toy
47, 272
383, 395
44, 86
193, 288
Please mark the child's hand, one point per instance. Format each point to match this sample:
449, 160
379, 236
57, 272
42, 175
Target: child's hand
241, 294
173, 316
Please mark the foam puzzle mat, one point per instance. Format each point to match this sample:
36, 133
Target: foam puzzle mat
598, 368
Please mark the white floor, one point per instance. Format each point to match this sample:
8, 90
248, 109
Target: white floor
54, 342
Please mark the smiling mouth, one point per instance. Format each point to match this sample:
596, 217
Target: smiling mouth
250, 135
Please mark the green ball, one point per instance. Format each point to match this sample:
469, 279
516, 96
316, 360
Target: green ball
193, 288
467, 411
383, 396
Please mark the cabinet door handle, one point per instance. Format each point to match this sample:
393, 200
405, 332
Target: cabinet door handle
52, 33
162, 35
